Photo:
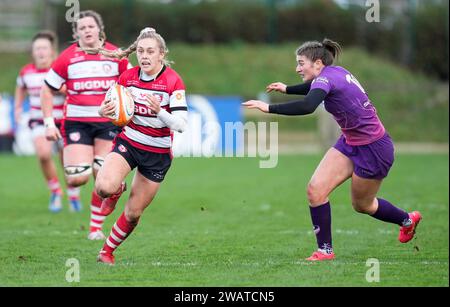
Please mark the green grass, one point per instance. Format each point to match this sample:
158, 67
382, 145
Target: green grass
225, 222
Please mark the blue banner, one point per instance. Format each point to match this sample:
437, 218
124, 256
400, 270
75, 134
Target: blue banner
210, 120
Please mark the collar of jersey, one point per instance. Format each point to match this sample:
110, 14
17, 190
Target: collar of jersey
151, 80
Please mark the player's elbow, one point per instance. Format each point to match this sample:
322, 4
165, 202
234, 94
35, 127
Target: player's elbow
310, 106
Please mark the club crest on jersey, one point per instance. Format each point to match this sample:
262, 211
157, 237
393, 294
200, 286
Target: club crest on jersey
75, 136
107, 68
159, 97
122, 148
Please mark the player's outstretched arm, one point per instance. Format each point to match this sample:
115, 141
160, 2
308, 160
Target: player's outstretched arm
299, 89
300, 107
257, 104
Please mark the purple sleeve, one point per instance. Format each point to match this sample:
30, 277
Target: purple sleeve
321, 82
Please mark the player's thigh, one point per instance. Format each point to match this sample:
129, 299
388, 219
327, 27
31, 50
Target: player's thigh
61, 155
104, 134
364, 191
112, 173
143, 190
76, 154
102, 147
333, 169
44, 148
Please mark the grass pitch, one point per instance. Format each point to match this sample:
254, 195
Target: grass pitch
225, 222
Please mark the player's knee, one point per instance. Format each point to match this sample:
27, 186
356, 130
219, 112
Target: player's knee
77, 175
315, 193
361, 207
105, 187
45, 158
76, 182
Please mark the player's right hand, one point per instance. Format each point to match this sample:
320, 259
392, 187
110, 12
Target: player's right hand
257, 104
107, 109
52, 134
276, 86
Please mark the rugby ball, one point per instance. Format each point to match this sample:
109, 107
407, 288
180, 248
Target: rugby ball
123, 101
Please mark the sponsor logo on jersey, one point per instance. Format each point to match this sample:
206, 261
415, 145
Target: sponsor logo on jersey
159, 87
366, 172
93, 84
142, 110
112, 134
321, 79
158, 175
132, 82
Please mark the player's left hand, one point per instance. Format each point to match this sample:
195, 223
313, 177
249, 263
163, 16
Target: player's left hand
154, 103
257, 104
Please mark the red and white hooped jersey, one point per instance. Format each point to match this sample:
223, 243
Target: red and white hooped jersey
87, 77
31, 79
146, 131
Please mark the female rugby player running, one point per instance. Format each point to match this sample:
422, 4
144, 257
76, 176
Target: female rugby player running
145, 143
364, 152
87, 136
30, 82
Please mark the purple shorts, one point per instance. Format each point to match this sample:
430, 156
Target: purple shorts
371, 161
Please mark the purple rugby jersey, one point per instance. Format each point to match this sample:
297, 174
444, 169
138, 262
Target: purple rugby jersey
347, 101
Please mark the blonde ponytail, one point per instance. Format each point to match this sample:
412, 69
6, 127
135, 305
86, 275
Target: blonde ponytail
120, 54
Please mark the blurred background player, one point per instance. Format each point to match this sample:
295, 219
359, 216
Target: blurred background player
29, 82
87, 136
145, 143
364, 152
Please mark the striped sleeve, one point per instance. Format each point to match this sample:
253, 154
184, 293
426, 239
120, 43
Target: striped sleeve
57, 75
178, 97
